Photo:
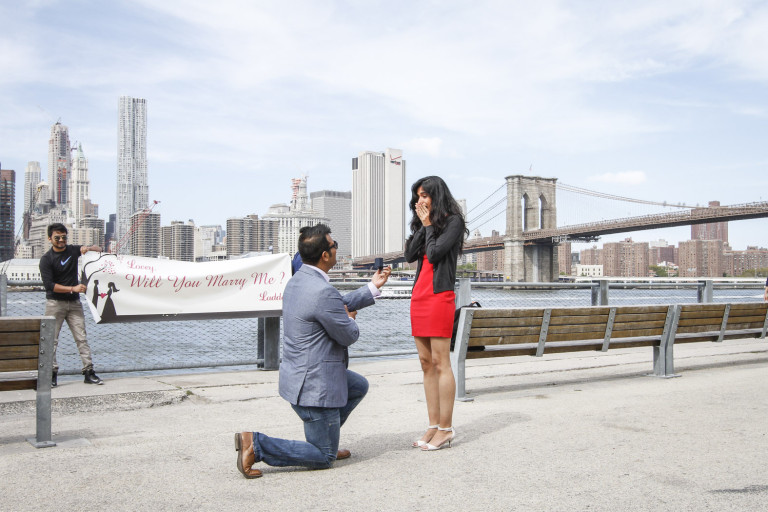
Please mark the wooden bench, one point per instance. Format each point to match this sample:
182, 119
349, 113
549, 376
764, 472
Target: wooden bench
717, 322
536, 331
26, 362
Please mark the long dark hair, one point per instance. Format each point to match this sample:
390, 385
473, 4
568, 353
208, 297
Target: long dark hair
443, 204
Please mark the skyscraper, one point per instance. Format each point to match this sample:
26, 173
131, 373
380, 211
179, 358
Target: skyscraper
79, 188
378, 202
7, 208
337, 208
146, 237
109, 232
132, 184
291, 218
178, 241
59, 162
31, 180
251, 234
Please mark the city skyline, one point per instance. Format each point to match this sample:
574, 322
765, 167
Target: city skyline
656, 101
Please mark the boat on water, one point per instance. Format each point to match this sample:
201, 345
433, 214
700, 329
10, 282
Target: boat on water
395, 293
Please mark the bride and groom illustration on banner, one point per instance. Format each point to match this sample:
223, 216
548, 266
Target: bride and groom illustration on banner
107, 310
103, 302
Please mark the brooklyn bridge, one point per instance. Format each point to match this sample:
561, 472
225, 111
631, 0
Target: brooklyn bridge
531, 237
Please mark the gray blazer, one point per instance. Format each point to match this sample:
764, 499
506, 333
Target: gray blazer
316, 334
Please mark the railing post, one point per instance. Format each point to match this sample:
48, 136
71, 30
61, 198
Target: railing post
260, 341
464, 296
603, 292
705, 291
272, 343
3, 295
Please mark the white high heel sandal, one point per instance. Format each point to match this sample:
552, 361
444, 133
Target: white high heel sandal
419, 443
429, 447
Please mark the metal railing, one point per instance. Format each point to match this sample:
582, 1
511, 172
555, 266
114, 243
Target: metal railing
384, 327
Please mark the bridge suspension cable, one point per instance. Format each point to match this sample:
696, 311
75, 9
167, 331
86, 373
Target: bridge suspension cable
478, 226
473, 224
579, 190
487, 198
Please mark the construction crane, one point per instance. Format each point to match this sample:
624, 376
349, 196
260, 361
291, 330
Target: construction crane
135, 225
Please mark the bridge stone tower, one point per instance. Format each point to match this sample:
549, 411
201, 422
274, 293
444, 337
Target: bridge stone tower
531, 204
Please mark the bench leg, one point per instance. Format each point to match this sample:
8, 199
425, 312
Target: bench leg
42, 438
458, 366
663, 355
459, 354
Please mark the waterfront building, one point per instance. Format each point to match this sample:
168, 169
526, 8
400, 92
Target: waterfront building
89, 231
44, 195
701, 258
291, 218
625, 259
132, 182
591, 256
208, 243
145, 234
79, 188
24, 251
45, 213
59, 162
7, 213
491, 261
752, 262
659, 251
251, 234
32, 176
468, 258
564, 260
109, 232
378, 202
178, 241
24, 270
337, 208
588, 270
711, 231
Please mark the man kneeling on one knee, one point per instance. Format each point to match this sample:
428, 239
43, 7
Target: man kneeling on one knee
318, 327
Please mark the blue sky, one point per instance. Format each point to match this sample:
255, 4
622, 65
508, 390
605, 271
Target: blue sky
657, 100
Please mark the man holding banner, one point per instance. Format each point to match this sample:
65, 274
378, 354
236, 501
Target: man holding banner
318, 324
58, 269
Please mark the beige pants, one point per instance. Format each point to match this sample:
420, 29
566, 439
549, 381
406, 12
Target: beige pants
72, 312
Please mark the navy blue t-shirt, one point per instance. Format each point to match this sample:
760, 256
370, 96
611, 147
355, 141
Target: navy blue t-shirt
60, 268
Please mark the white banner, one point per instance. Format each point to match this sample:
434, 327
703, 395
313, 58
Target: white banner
132, 289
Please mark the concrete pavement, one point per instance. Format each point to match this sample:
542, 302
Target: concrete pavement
572, 432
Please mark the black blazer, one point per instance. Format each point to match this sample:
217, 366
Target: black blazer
442, 251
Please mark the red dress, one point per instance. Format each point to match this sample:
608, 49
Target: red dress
431, 313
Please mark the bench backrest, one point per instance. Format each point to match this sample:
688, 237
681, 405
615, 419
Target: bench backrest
19, 350
720, 318
518, 326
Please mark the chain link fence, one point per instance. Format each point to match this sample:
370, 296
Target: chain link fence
384, 328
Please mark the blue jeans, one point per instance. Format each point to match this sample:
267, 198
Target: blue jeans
322, 427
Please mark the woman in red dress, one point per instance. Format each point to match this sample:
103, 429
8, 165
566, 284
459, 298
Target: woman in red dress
437, 237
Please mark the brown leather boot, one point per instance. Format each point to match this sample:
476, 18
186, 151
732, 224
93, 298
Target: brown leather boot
245, 456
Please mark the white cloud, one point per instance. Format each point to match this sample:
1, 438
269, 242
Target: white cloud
620, 178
